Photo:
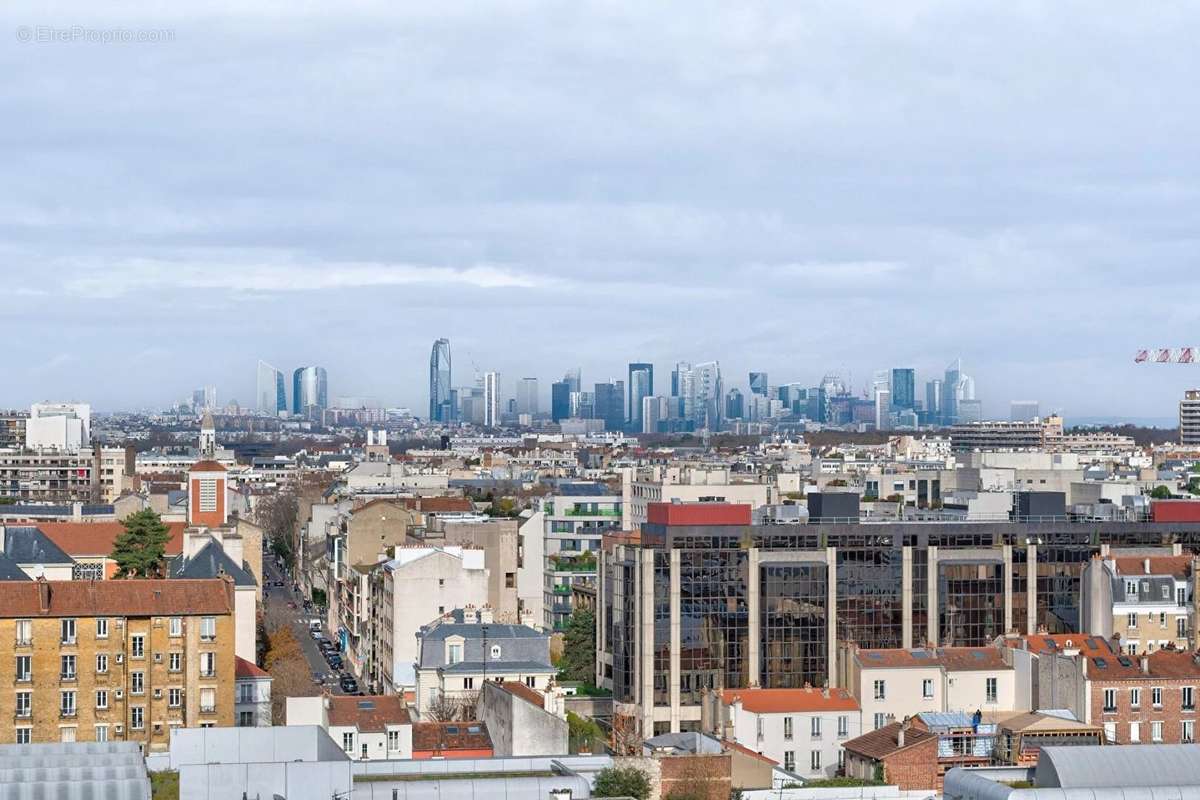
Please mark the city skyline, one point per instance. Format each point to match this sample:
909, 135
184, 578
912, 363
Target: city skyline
764, 180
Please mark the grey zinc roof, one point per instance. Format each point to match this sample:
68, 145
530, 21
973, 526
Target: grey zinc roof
1109, 767
494, 631
26, 544
10, 570
498, 666
210, 562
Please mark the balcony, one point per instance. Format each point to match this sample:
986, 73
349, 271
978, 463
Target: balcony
599, 512
208, 709
561, 589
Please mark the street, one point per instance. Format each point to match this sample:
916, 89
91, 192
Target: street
278, 614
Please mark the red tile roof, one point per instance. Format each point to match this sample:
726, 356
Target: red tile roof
450, 736
94, 539
518, 689
782, 701
248, 669
371, 713
954, 659
116, 598
208, 466
883, 742
741, 748
1176, 566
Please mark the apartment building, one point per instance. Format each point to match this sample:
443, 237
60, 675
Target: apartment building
497, 538
413, 589
116, 660
694, 485
575, 520
252, 695
802, 729
1147, 602
897, 683
466, 648
374, 727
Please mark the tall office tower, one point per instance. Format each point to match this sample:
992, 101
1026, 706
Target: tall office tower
583, 405
933, 400
654, 411
682, 387
204, 398
641, 386
310, 390
440, 408
527, 396
572, 378
491, 399
1189, 418
560, 400
735, 406
958, 387
883, 409
608, 404
272, 392
758, 383
708, 395
904, 389
1024, 410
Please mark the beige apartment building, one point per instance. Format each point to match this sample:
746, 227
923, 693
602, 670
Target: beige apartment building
129, 660
1143, 602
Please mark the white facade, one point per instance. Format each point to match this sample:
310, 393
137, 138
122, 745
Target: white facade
667, 484
807, 742
419, 585
888, 694
491, 399
58, 426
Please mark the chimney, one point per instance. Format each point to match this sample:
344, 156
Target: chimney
485, 615
1145, 665
1146, 565
43, 595
470, 617
900, 733
381, 438
370, 437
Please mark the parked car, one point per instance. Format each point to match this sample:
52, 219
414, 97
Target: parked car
334, 660
318, 679
348, 684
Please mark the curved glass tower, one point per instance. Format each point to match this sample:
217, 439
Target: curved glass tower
271, 390
310, 388
441, 409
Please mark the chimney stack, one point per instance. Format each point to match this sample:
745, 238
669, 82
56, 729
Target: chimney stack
1145, 665
43, 595
1146, 565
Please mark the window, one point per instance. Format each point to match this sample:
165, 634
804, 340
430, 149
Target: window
208, 495
1135, 732
814, 760
137, 683
208, 629
991, 689
102, 698
1131, 619
66, 703
1181, 596
23, 668
468, 683
1189, 698
1166, 592
175, 662
67, 628
208, 700
137, 718
454, 653
101, 663
67, 668
1189, 732
245, 693
66, 734
927, 688
787, 727
510, 580
348, 742
1131, 588
495, 652
1181, 627
102, 627
1110, 701
393, 740
101, 733
1162, 619
1156, 697
1131, 648
245, 719
880, 690
24, 632
1135, 698
23, 735
531, 681
175, 626
174, 697
841, 759
208, 665
789, 760
24, 704
1156, 731
441, 582
880, 719
1110, 732
815, 727
843, 726
137, 646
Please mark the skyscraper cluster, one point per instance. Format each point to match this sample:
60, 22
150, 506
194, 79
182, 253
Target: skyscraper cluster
310, 391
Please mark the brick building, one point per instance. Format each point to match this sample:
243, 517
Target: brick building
116, 660
897, 754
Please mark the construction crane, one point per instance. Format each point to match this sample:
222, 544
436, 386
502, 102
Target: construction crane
1166, 355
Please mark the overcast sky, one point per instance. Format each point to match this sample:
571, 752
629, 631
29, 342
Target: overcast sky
796, 187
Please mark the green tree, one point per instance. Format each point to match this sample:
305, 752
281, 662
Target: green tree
578, 661
138, 551
1161, 493
621, 782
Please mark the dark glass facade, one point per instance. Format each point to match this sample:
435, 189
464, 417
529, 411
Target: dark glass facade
793, 633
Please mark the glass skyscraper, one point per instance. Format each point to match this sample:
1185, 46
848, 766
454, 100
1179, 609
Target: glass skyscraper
641, 386
904, 389
441, 408
271, 396
310, 389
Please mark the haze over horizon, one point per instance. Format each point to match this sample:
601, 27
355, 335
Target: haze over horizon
797, 190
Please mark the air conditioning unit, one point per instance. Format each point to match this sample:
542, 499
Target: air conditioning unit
120, 658
119, 693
